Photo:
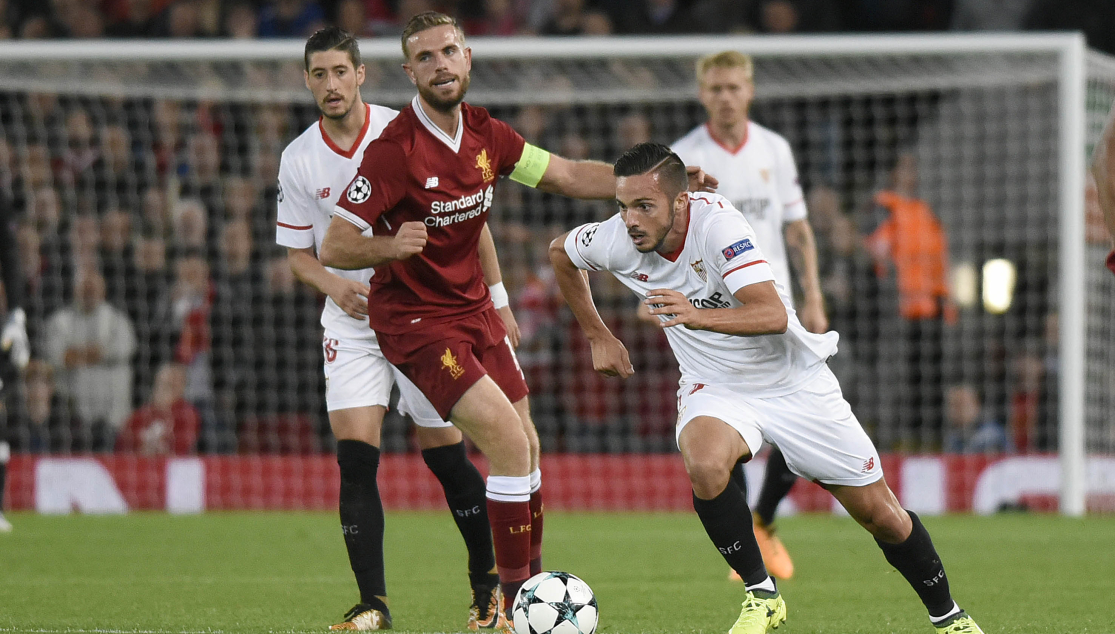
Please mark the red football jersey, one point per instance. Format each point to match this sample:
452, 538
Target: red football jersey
1111, 261
416, 172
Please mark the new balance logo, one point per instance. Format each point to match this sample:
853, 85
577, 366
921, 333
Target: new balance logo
323, 193
431, 182
868, 465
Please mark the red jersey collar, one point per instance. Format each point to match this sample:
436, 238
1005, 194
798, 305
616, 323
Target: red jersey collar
676, 253
349, 153
727, 148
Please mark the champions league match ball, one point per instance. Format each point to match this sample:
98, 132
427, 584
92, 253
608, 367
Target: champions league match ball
554, 603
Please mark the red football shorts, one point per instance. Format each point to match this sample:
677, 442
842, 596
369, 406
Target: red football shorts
446, 360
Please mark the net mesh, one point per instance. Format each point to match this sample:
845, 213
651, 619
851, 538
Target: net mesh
160, 176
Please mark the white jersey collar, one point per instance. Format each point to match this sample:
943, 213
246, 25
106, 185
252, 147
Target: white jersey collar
454, 142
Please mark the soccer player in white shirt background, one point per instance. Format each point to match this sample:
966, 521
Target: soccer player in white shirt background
757, 174
750, 373
314, 170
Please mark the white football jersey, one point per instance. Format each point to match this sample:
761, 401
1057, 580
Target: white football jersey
313, 172
721, 255
760, 179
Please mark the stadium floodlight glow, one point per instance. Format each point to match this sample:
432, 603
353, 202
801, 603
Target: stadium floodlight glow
999, 276
964, 284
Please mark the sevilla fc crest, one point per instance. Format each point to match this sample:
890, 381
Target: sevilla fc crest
699, 267
359, 190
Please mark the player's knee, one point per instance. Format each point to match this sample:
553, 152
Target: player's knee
707, 475
886, 522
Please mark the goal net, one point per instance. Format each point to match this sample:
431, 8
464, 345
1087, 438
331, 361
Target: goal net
154, 167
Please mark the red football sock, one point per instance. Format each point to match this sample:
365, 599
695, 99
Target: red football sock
511, 528
536, 508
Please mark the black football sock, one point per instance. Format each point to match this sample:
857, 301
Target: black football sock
5, 453
777, 482
918, 562
362, 518
727, 521
739, 476
465, 492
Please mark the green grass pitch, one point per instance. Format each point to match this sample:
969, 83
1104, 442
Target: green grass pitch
287, 572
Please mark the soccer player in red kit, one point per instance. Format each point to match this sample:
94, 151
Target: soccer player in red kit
423, 192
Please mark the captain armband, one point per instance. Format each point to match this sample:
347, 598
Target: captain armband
531, 166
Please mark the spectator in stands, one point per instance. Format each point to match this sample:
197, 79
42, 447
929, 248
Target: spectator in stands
185, 19
191, 225
202, 171
166, 423
233, 322
796, 16
85, 241
351, 16
632, 129
1031, 425
241, 22
49, 427
155, 211
497, 18
166, 131
290, 18
989, 15
969, 429
654, 17
1096, 18
116, 255
911, 242
149, 306
571, 17
90, 344
121, 176
36, 171
132, 18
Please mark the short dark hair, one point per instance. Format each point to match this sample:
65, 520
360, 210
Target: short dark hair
333, 38
654, 157
429, 20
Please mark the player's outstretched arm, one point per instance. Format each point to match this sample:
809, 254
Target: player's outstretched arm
489, 264
595, 180
1103, 168
803, 253
762, 313
345, 248
350, 295
609, 356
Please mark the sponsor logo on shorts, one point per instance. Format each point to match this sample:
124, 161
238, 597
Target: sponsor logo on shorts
449, 362
868, 464
696, 387
733, 250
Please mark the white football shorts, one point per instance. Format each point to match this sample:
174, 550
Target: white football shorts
814, 427
357, 375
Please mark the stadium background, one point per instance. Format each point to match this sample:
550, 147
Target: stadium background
166, 190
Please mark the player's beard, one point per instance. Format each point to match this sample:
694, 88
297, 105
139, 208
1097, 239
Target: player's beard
665, 232
343, 114
430, 95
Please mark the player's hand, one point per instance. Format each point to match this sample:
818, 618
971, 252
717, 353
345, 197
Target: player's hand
675, 306
514, 335
700, 181
410, 240
13, 339
610, 358
351, 296
812, 316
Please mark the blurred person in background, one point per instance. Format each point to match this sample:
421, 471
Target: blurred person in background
759, 175
166, 424
90, 344
15, 350
969, 429
290, 18
1103, 171
911, 244
191, 301
989, 15
240, 22
50, 425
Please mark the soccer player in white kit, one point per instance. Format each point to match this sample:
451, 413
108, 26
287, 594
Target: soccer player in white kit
756, 168
314, 170
750, 373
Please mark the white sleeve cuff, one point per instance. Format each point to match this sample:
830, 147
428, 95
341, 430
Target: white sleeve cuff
294, 237
351, 217
794, 211
748, 273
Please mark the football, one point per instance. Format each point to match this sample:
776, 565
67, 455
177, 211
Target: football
555, 603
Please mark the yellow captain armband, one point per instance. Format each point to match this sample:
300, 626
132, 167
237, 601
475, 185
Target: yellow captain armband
531, 166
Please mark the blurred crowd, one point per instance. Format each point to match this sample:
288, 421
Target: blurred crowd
164, 319
372, 18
